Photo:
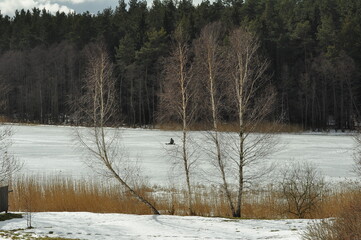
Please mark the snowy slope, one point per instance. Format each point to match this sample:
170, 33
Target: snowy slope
50, 149
94, 226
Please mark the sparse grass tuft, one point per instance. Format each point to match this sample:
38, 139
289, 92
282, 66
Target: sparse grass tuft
19, 234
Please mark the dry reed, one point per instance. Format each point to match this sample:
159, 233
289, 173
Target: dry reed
345, 226
58, 193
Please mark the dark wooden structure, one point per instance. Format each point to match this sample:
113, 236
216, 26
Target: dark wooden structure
4, 193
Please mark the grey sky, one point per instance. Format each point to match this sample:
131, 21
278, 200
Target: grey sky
8, 7
93, 6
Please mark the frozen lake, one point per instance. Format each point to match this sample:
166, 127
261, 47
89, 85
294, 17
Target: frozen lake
51, 150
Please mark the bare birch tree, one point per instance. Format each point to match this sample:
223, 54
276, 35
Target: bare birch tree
97, 108
209, 62
177, 103
8, 163
253, 102
357, 154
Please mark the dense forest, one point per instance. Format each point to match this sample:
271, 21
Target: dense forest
314, 49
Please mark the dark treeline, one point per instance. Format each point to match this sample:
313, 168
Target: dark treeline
314, 48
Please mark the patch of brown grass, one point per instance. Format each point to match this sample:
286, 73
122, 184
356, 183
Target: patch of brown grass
345, 226
334, 204
264, 204
4, 119
41, 194
58, 193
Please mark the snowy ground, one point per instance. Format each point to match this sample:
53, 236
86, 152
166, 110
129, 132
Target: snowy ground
94, 226
50, 149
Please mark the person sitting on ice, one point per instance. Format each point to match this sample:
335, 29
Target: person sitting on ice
171, 142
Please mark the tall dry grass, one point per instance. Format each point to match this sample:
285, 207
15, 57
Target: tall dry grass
59, 193
56, 193
4, 119
345, 226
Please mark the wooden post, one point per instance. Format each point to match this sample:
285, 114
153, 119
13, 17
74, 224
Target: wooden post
4, 193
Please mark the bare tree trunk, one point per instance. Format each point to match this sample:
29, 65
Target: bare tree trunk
176, 101
99, 106
238, 212
324, 104
134, 193
120, 100
146, 88
342, 111
184, 106
240, 92
247, 71
131, 98
140, 101
313, 110
41, 103
209, 61
335, 114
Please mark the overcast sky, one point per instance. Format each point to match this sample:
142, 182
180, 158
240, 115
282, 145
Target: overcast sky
8, 7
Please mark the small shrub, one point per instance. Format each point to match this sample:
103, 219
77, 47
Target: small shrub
346, 226
303, 189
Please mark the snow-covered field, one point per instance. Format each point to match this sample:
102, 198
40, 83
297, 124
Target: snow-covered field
94, 226
51, 150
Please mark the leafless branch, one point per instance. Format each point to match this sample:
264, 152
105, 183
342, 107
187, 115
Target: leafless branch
101, 139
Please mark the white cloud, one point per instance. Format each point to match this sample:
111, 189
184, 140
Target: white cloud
73, 1
54, 7
8, 7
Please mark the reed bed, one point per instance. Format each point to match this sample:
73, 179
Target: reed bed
59, 193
